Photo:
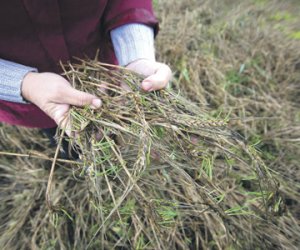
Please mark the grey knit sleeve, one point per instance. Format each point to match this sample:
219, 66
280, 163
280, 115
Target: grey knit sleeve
133, 41
11, 77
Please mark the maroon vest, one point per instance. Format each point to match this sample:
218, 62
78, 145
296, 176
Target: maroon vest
40, 33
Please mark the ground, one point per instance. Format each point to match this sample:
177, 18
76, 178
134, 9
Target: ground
238, 62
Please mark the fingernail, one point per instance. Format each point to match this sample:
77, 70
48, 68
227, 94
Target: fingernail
147, 86
96, 103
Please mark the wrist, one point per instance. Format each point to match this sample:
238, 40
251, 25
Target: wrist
28, 85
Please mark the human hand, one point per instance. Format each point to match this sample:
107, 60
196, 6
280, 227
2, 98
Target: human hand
157, 74
53, 94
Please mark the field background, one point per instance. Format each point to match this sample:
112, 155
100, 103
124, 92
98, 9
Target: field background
237, 60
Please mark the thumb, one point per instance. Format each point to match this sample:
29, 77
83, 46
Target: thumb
80, 99
158, 80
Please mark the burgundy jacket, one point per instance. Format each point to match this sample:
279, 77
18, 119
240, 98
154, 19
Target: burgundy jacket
40, 33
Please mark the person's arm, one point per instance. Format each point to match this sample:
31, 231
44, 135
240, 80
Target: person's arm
134, 48
117, 15
51, 92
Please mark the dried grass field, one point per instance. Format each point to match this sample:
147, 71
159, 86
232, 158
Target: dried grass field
212, 162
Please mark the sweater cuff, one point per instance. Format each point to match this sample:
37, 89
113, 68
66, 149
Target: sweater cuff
133, 41
11, 77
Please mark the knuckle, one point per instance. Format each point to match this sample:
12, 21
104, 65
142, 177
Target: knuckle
83, 100
80, 101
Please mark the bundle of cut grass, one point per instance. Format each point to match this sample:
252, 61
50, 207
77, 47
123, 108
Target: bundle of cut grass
158, 165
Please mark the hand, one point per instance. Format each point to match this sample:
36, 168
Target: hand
53, 94
157, 74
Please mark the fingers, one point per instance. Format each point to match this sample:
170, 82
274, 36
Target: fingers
80, 99
59, 113
158, 74
159, 79
62, 120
